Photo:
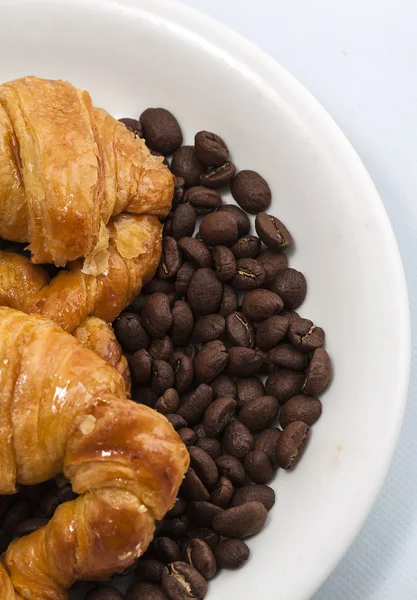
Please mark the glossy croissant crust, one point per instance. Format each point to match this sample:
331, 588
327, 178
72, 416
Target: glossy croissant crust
63, 410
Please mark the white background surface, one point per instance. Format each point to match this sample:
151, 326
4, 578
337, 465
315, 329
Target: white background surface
359, 58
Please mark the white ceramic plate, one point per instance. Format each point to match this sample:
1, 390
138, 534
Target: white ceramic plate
133, 54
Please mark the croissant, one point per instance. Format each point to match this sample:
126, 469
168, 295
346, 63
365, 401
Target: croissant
63, 410
66, 168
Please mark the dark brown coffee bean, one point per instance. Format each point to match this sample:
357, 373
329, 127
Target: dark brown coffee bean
30, 525
243, 223
259, 413
22, 510
200, 556
224, 262
240, 331
218, 415
272, 262
231, 554
145, 395
300, 408
229, 300
130, 333
172, 299
290, 315
200, 431
232, 468
191, 350
145, 591
223, 385
181, 582
261, 304
222, 493
248, 246
162, 349
187, 436
165, 550
247, 389
211, 361
161, 130
133, 125
195, 404
5, 539
186, 164
140, 364
178, 192
291, 286
219, 176
183, 372
162, 376
255, 493
288, 357
197, 251
291, 444
182, 323
251, 191
258, 467
192, 488
183, 278
182, 222
175, 528
272, 232
156, 153
267, 442
237, 440
204, 292
176, 511
208, 328
204, 466
219, 228
156, 285
283, 384
150, 570
168, 402
177, 421
210, 148
210, 445
305, 336
318, 373
156, 315
241, 521
104, 592
249, 274
243, 361
171, 259
270, 332
202, 513
203, 200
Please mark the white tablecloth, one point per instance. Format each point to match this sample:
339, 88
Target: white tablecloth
359, 58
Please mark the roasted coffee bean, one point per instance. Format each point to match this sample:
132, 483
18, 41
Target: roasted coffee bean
318, 373
22, 510
165, 550
218, 415
286, 356
192, 488
202, 513
204, 292
208, 328
162, 376
5, 539
157, 315
145, 591
267, 366
129, 570
181, 581
140, 364
104, 592
175, 528
232, 468
229, 300
191, 350
210, 445
155, 285
177, 421
65, 493
150, 570
6, 502
283, 384
176, 511
267, 442
259, 413
272, 262
145, 395
186, 164
203, 533
183, 278
130, 333
243, 223
258, 467
187, 436
290, 315
249, 274
178, 192
200, 556
182, 323
261, 304
171, 259
204, 466
222, 493
182, 222
248, 246
219, 176
219, 228
203, 200
271, 331
168, 402
248, 388
240, 330
162, 349
223, 385
195, 404
197, 251
133, 125
291, 444
241, 521
183, 372
272, 232
172, 299
211, 361
304, 335
210, 149
291, 286
300, 408
243, 361
30, 526
251, 191
255, 493
231, 554
161, 130
237, 440
224, 262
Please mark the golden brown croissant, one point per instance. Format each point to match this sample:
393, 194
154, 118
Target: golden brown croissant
66, 168
62, 409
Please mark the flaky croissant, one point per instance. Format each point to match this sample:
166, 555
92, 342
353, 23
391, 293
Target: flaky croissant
62, 409
66, 168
